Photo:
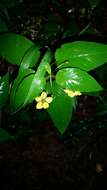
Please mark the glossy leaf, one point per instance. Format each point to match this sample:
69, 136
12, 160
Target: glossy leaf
81, 54
44, 65
26, 89
13, 47
4, 89
76, 79
31, 57
23, 74
61, 108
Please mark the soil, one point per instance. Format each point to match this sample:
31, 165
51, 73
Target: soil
46, 161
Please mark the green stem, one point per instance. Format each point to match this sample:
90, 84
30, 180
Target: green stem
84, 29
45, 64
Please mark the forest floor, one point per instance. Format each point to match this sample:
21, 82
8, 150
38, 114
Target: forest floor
47, 162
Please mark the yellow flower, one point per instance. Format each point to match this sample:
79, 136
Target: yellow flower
72, 93
43, 101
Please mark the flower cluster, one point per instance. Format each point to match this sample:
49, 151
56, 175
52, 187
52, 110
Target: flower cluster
43, 101
72, 93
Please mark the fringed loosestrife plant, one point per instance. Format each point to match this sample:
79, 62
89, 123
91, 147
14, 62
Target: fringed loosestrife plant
69, 67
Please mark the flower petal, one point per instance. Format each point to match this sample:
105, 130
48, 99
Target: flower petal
45, 105
77, 93
49, 99
72, 93
69, 92
38, 99
39, 105
43, 95
66, 91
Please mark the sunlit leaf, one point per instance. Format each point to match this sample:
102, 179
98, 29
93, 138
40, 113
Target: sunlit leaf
81, 54
76, 79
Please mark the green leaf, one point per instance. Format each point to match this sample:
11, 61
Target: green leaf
22, 74
5, 136
4, 89
3, 26
77, 80
31, 57
13, 47
61, 108
44, 65
81, 54
30, 84
26, 89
